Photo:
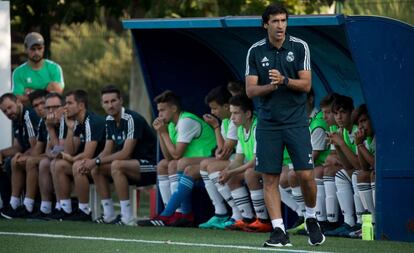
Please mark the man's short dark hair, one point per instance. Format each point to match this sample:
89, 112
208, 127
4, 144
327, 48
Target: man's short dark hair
242, 101
220, 95
37, 94
273, 9
343, 102
55, 95
236, 87
8, 95
111, 89
80, 96
362, 110
170, 98
328, 100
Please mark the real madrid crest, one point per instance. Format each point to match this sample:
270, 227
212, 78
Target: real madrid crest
290, 57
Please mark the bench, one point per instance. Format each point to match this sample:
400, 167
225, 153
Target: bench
148, 181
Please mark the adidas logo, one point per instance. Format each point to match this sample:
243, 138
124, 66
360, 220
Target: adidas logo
310, 159
265, 59
265, 62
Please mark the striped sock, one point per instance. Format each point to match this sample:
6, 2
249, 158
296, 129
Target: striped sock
242, 200
298, 197
181, 197
365, 193
215, 197
259, 204
287, 198
225, 192
164, 187
331, 200
359, 208
320, 200
345, 196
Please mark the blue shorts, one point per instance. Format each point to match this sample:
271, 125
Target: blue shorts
270, 146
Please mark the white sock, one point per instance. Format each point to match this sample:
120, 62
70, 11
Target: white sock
359, 208
373, 191
126, 210
287, 198
298, 197
165, 190
215, 197
15, 202
345, 196
174, 182
332, 208
66, 205
259, 204
84, 207
46, 207
242, 200
320, 200
108, 209
310, 212
28, 203
278, 223
225, 192
57, 205
365, 193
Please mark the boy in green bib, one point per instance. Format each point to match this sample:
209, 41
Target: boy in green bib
242, 168
331, 166
185, 140
345, 179
365, 141
226, 136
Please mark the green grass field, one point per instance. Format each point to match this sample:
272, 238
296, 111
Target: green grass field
52, 236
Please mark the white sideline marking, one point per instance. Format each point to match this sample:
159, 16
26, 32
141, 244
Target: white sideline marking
284, 249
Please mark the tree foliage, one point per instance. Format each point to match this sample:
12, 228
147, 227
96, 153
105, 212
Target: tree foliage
92, 56
398, 9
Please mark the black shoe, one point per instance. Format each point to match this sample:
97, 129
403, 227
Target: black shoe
20, 212
58, 215
328, 226
278, 238
159, 221
78, 215
101, 220
314, 231
39, 215
118, 221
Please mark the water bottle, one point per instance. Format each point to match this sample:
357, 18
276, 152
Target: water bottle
367, 228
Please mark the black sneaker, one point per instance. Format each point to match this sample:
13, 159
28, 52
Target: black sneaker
78, 215
101, 220
314, 231
20, 212
328, 226
59, 215
118, 221
39, 215
159, 221
278, 238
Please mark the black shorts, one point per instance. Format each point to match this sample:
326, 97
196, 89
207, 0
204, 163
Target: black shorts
148, 173
270, 146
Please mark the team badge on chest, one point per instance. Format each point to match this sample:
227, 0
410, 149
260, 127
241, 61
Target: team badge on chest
290, 57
